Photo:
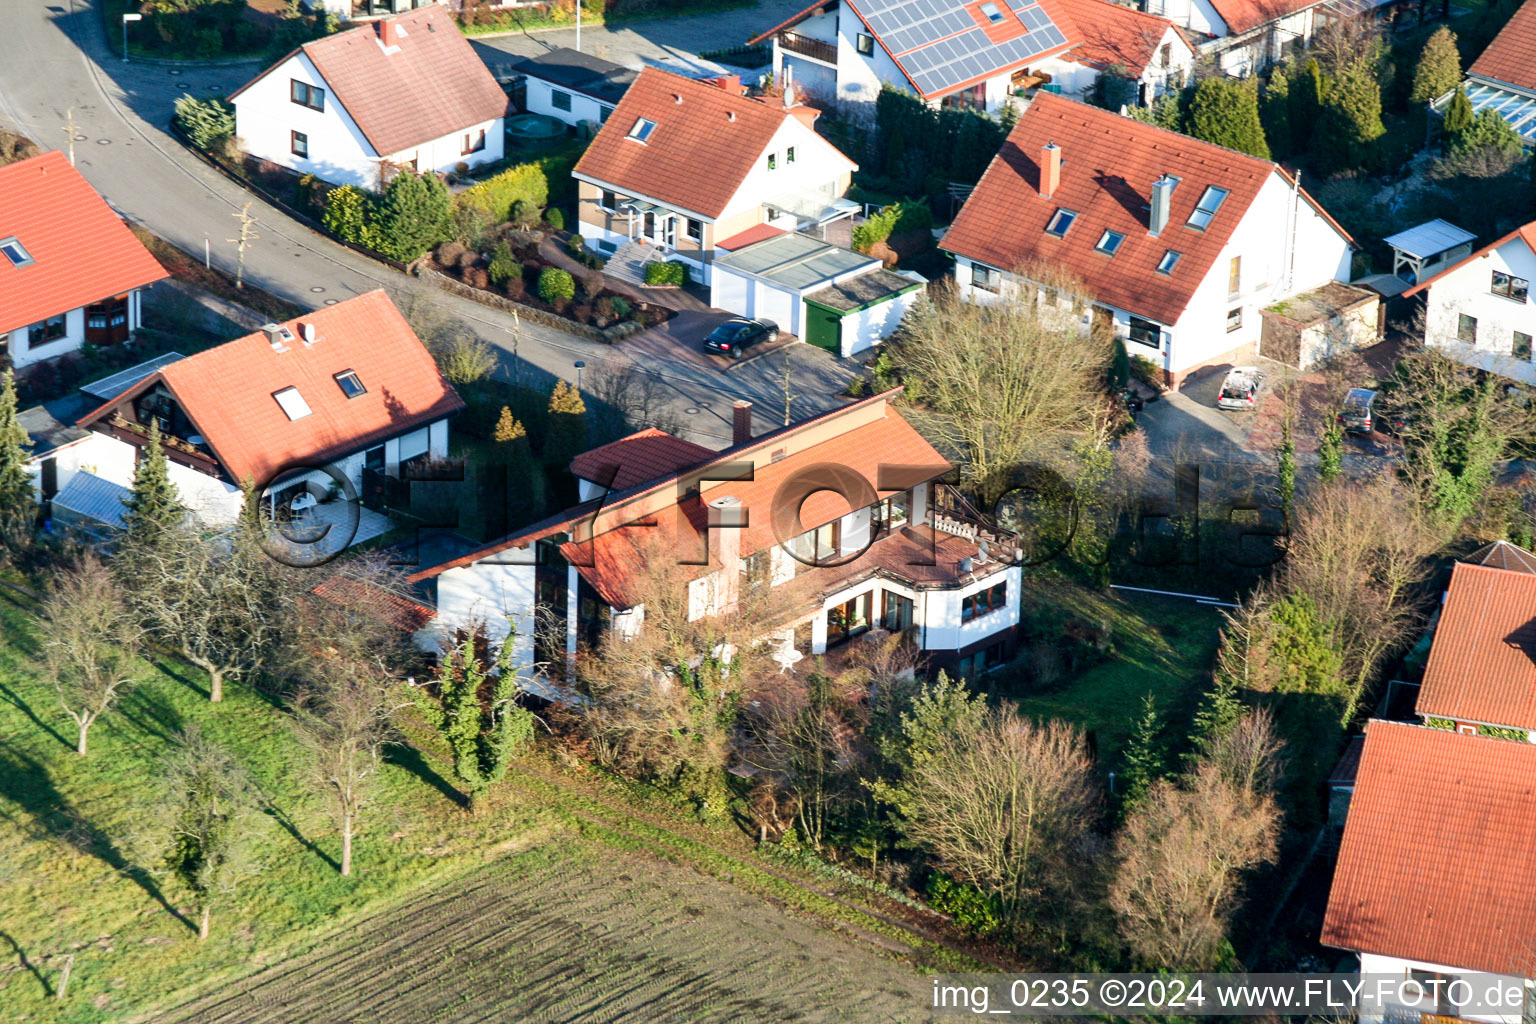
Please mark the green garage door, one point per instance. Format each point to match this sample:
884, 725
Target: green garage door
823, 328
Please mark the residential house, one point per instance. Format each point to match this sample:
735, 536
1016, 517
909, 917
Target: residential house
572, 86
1177, 243
1477, 310
873, 544
828, 296
403, 92
1481, 676
1435, 878
681, 165
1152, 54
335, 400
71, 272
1503, 78
975, 54
1243, 37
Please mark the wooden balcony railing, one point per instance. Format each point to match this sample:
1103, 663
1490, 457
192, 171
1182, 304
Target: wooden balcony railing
808, 47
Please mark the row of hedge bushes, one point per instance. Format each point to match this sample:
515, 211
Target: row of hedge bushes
670, 272
894, 219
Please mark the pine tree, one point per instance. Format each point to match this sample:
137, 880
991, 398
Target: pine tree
1275, 112
508, 428
1439, 68
1227, 113
1351, 119
1307, 91
154, 507
412, 215
1488, 131
18, 501
567, 425
1458, 117
1143, 758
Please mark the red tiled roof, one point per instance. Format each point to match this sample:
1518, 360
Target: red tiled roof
644, 455
756, 233
1109, 163
82, 252
375, 602
228, 391
1245, 15
1435, 864
433, 85
611, 561
697, 156
1482, 664
1115, 34
1348, 766
1511, 57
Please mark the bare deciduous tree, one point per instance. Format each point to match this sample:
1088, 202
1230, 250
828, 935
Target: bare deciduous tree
214, 821
91, 643
1005, 805
624, 398
344, 723
1182, 854
998, 385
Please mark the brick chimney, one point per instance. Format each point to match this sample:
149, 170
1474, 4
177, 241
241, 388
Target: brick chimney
730, 83
389, 33
741, 422
726, 521
1050, 169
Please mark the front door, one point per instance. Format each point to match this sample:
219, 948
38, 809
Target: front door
106, 322
50, 481
671, 232
649, 228
823, 328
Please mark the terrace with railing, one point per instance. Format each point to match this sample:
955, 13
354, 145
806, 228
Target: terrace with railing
805, 46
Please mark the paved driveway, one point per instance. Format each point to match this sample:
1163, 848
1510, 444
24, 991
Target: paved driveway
681, 340
1186, 423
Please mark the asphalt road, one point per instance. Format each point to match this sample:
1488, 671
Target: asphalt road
54, 61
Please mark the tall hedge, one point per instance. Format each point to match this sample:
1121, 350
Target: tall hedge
891, 220
1227, 113
917, 140
411, 215
496, 195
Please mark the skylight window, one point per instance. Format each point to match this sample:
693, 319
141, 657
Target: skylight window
642, 129
292, 403
1206, 208
1060, 221
1168, 262
15, 252
1109, 242
993, 14
351, 385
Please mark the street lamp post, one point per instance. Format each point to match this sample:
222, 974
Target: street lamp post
578, 25
126, 19
579, 367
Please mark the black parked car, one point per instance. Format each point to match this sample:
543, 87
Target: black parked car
739, 333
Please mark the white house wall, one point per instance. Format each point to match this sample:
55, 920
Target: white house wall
492, 593
539, 99
1397, 967
265, 114
1197, 15
942, 629
1466, 290
867, 328
818, 165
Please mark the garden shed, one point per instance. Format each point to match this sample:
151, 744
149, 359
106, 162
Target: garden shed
1306, 329
859, 313
771, 279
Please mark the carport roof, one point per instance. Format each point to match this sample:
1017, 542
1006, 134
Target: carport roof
795, 261
1429, 239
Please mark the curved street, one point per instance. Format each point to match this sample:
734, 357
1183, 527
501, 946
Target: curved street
54, 64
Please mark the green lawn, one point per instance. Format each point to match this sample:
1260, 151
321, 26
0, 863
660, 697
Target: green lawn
79, 863
1160, 645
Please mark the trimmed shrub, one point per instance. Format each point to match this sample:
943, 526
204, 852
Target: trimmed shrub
346, 214
503, 267
411, 216
525, 214
205, 121
449, 252
556, 284
577, 242
554, 218
672, 272
621, 307
524, 183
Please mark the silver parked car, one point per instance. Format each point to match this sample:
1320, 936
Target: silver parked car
1240, 389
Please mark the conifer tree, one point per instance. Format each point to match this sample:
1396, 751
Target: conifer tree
1330, 455
567, 425
1458, 117
508, 427
1275, 112
154, 507
1143, 757
1351, 119
18, 501
1307, 91
412, 215
1227, 113
1488, 131
1439, 68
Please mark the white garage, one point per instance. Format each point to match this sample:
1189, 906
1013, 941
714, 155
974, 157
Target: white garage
770, 280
